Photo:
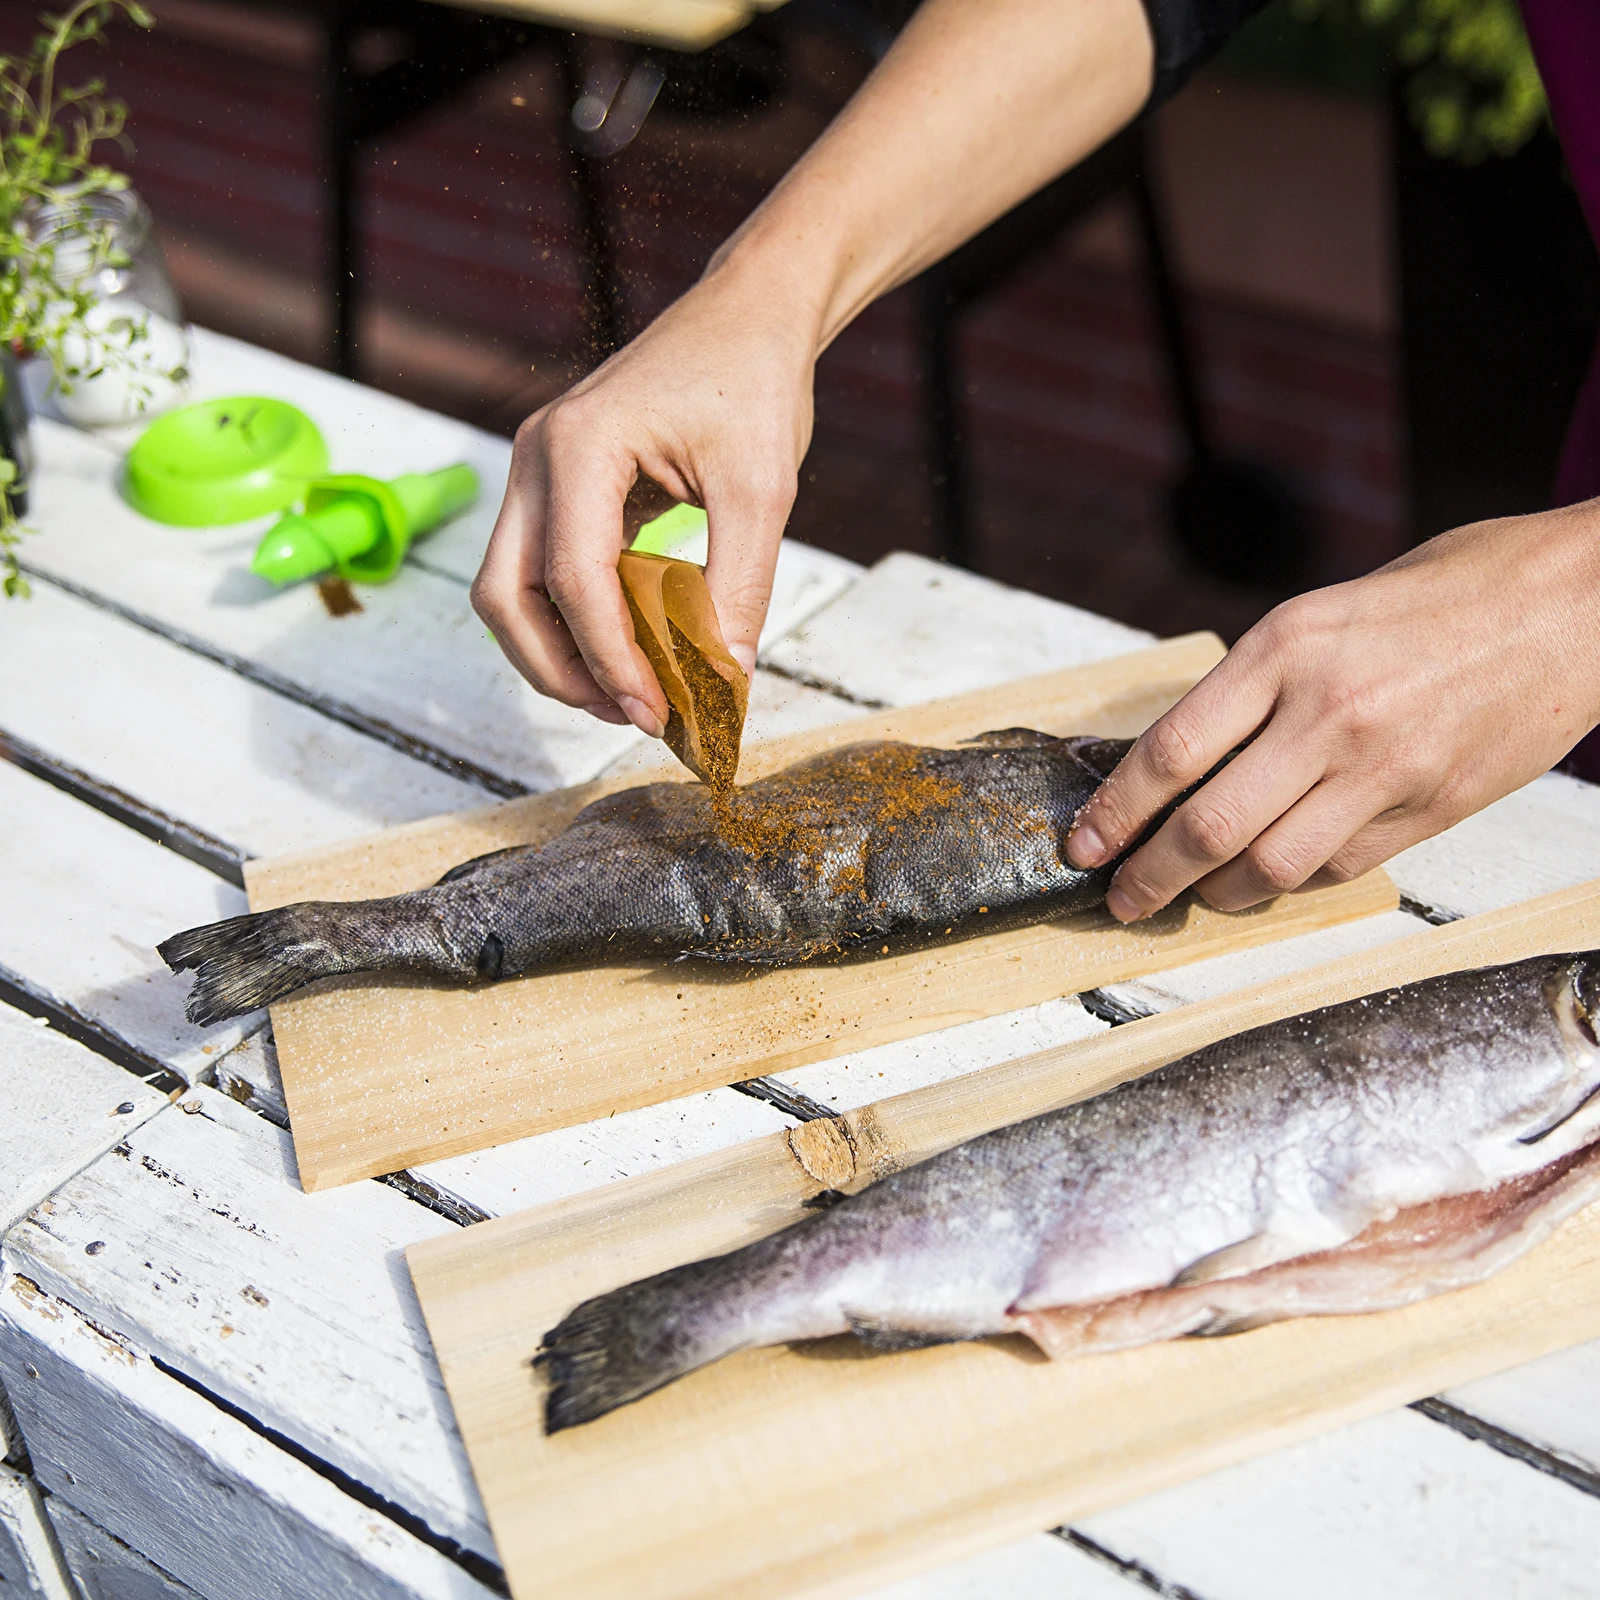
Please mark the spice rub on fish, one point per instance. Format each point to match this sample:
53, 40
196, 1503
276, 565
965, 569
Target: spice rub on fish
1352, 1159
847, 847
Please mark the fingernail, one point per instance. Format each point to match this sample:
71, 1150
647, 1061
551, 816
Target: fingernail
607, 712
1085, 847
641, 716
1121, 906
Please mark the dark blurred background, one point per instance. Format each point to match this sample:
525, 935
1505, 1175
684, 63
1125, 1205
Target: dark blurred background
1384, 342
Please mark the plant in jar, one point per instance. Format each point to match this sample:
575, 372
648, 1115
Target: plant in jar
56, 233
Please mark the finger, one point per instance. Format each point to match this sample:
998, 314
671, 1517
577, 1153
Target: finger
583, 538
1294, 849
1384, 837
508, 593
1217, 823
1220, 712
746, 520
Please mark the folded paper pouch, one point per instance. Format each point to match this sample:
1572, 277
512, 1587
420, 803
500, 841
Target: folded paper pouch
706, 689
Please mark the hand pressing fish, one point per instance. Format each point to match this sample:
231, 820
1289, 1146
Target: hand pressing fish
848, 847
1352, 1159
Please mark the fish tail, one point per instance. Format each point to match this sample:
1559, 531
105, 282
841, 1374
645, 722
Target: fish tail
621, 1346
245, 962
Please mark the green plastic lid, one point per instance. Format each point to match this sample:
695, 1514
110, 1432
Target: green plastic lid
224, 461
680, 532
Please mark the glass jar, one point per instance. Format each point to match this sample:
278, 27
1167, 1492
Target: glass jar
128, 355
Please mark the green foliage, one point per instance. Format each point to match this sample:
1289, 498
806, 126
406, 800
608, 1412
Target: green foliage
1472, 87
49, 133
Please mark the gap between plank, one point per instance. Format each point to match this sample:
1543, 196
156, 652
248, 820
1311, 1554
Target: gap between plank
479, 1567
264, 677
776, 1093
182, 838
17, 991
1134, 1571
1585, 1479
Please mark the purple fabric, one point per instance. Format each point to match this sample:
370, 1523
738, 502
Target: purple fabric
1565, 35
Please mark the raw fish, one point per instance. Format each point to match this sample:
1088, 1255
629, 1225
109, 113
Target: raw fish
846, 848
1354, 1158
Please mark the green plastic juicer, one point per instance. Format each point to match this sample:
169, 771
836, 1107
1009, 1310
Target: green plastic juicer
361, 527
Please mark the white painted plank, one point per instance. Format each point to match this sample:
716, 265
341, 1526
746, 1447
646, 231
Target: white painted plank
87, 902
1545, 836
297, 1308
11, 1448
1202, 980
366, 431
30, 1563
1553, 1403
105, 1567
61, 1106
863, 1075
913, 629
1041, 1568
416, 658
197, 741
1397, 1506
551, 1166
249, 1074
804, 581
205, 1497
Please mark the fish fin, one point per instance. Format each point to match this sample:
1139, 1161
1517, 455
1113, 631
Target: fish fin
884, 1336
1099, 755
1239, 1259
1012, 739
1224, 1324
467, 869
824, 1200
245, 962
627, 1343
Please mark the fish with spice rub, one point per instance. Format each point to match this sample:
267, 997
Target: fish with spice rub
1354, 1158
848, 847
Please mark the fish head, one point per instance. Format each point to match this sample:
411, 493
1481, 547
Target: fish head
1572, 992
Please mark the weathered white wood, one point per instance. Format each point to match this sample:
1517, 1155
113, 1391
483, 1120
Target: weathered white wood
913, 629
249, 1074
204, 1496
863, 1075
381, 435
1544, 836
1554, 1404
61, 1106
1397, 1506
296, 1308
87, 900
416, 658
11, 1448
30, 1562
550, 1166
199, 742
105, 1567
1041, 1568
1202, 980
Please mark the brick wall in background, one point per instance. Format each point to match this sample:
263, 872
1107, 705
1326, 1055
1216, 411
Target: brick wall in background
1280, 217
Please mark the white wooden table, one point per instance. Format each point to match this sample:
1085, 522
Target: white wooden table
219, 1385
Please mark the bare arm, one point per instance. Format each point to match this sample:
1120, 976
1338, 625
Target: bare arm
713, 401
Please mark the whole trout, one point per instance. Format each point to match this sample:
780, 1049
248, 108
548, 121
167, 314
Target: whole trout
1353, 1158
848, 847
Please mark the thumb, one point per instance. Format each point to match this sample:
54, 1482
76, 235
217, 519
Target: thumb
745, 521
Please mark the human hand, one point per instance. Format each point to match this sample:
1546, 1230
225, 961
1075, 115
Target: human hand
1373, 714
712, 402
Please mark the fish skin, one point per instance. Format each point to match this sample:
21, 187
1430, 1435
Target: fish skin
646, 872
1285, 1142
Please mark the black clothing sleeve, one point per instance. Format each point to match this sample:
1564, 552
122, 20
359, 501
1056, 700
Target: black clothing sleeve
1186, 32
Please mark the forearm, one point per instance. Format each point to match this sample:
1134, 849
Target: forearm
978, 104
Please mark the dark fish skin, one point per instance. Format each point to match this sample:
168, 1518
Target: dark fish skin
1284, 1143
854, 855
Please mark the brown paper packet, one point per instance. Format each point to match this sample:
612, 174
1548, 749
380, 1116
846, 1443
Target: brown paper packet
706, 689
